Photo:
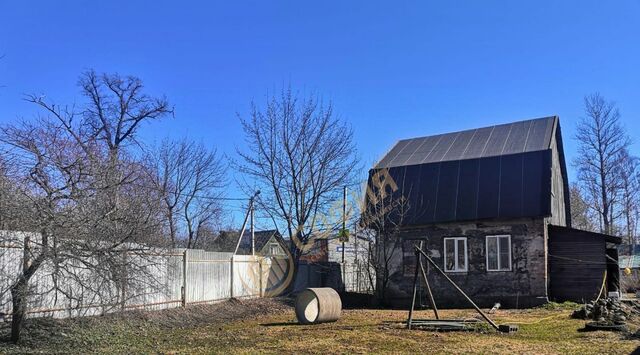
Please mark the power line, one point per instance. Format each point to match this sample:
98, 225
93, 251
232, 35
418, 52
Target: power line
216, 198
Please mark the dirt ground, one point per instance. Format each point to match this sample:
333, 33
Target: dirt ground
269, 326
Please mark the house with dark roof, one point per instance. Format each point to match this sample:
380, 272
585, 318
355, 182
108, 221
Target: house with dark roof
491, 206
267, 243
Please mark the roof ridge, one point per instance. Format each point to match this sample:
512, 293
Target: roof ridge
477, 128
502, 139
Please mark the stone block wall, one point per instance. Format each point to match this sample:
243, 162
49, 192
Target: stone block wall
525, 285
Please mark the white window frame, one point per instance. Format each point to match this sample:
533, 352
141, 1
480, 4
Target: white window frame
498, 252
272, 246
455, 254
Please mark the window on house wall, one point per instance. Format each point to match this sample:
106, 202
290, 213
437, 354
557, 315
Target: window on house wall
455, 254
274, 249
408, 257
498, 252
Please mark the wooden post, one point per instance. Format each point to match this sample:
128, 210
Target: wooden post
185, 270
459, 290
260, 277
426, 282
231, 280
415, 291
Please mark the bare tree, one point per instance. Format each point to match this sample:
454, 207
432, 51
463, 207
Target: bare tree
601, 139
78, 180
582, 216
9, 198
300, 155
5, 192
629, 196
169, 180
116, 108
190, 179
384, 212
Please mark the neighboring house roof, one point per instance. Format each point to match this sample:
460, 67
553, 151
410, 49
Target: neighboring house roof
227, 241
629, 261
501, 171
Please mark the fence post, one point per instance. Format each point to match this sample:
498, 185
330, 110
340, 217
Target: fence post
185, 270
261, 291
231, 280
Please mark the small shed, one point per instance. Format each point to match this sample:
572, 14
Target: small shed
582, 264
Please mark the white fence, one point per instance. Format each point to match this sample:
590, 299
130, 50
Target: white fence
358, 277
179, 277
352, 276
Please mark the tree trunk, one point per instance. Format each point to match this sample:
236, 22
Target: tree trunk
629, 231
19, 302
295, 255
292, 285
172, 229
605, 207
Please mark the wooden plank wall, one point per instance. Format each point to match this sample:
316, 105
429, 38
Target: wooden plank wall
577, 263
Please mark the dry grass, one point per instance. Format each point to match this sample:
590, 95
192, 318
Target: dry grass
259, 330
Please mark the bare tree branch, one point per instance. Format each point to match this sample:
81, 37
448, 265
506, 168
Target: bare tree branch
601, 142
190, 179
300, 155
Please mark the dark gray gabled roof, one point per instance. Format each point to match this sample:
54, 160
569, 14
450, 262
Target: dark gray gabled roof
511, 138
502, 171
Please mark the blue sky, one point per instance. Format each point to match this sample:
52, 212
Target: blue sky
392, 69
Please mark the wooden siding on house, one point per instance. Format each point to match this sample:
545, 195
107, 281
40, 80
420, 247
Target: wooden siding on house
577, 262
559, 202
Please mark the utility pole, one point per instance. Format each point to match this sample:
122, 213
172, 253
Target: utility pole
244, 225
356, 264
246, 217
344, 231
253, 232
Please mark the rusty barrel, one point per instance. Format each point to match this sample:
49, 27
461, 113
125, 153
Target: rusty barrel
318, 305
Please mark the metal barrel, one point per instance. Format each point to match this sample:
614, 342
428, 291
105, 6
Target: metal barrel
318, 305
